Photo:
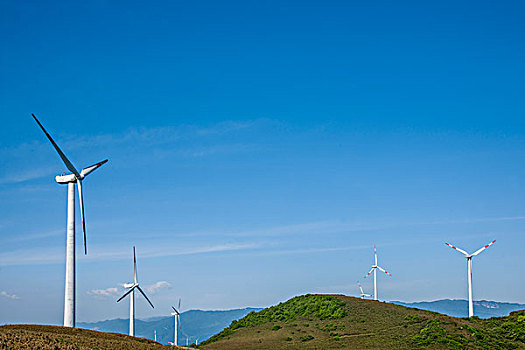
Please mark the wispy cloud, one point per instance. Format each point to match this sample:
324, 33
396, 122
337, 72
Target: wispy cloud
9, 296
26, 175
157, 287
108, 292
117, 291
56, 255
331, 227
33, 236
136, 138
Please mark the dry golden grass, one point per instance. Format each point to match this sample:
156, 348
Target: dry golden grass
14, 337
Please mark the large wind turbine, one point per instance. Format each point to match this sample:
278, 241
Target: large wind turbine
363, 294
131, 287
374, 268
71, 180
176, 315
469, 272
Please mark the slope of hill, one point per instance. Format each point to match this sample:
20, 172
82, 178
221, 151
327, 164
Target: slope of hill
14, 337
196, 324
459, 308
340, 322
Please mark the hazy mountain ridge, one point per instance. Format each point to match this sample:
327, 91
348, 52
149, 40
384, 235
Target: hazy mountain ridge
459, 307
196, 324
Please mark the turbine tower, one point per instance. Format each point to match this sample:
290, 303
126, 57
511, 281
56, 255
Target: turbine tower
131, 287
469, 272
363, 294
374, 268
71, 180
176, 315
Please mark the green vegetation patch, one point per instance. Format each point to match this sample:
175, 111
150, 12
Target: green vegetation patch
307, 338
320, 306
495, 333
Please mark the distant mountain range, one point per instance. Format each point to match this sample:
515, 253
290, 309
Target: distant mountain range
200, 325
459, 308
196, 324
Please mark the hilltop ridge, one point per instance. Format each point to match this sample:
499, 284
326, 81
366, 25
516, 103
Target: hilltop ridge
342, 322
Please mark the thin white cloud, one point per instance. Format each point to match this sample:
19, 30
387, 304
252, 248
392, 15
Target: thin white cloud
33, 236
108, 292
56, 255
9, 296
112, 253
26, 175
157, 287
134, 137
117, 291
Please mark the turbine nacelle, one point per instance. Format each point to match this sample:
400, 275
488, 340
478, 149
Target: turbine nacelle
65, 179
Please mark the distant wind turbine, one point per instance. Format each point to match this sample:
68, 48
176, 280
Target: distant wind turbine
71, 179
374, 268
469, 272
176, 314
132, 287
363, 294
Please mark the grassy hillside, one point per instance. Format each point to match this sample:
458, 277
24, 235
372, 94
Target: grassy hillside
60, 338
340, 322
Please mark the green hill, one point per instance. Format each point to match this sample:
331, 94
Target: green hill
341, 322
14, 337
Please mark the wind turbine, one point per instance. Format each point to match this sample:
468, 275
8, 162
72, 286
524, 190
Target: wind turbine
71, 179
374, 268
176, 315
363, 294
131, 287
469, 272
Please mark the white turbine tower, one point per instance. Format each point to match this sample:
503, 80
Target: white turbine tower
363, 294
71, 180
469, 272
374, 268
131, 287
176, 315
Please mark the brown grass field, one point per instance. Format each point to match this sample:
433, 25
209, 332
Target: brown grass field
14, 337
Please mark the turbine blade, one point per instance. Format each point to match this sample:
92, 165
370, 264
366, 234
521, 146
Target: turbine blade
361, 288
483, 248
134, 265
375, 254
88, 170
456, 248
66, 161
176, 311
81, 198
179, 305
380, 268
369, 272
144, 294
129, 291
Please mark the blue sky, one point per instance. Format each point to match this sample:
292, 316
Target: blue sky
259, 150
